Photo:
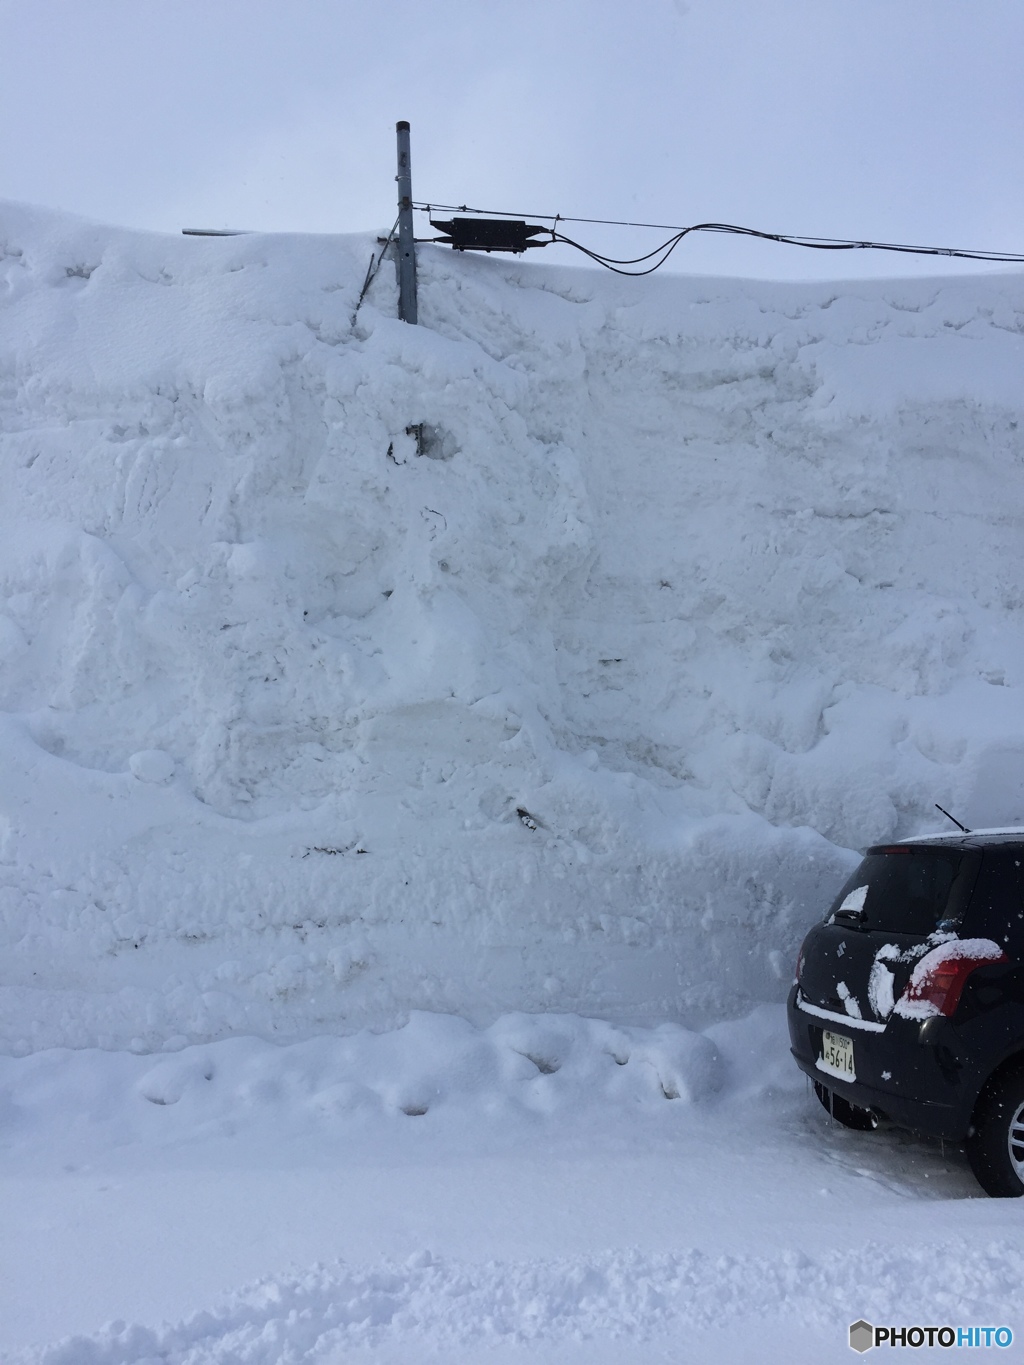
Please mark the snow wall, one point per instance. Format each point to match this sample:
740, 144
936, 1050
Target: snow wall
551, 655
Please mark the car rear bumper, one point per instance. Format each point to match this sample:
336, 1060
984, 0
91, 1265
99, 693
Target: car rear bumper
914, 1073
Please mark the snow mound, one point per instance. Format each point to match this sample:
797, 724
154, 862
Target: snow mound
436, 1065
551, 654
436, 1304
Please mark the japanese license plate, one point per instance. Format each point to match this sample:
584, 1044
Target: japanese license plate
837, 1056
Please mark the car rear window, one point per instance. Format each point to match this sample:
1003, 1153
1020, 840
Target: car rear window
906, 891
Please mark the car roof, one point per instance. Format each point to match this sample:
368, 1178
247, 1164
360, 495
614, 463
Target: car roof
975, 838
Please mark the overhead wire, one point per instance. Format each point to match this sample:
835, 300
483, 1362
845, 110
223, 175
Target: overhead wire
660, 254
611, 263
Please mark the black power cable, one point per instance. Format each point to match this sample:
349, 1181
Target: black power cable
611, 263
660, 254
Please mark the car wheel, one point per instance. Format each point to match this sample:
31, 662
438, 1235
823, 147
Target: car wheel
849, 1115
995, 1143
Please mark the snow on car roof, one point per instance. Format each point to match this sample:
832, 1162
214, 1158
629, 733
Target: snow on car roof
1009, 834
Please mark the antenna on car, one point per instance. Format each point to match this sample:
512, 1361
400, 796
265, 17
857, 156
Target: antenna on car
952, 817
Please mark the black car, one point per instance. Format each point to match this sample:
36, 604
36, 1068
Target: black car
908, 1002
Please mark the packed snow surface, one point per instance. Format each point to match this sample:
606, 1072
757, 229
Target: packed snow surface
418, 743
549, 1190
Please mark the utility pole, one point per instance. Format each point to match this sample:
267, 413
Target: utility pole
407, 310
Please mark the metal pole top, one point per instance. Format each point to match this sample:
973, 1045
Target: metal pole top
406, 259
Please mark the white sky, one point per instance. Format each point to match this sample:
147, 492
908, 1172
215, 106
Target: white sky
895, 119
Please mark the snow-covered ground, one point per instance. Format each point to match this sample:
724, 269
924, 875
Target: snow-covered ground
548, 1190
470, 719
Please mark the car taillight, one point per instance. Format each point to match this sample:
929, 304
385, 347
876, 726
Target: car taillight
938, 979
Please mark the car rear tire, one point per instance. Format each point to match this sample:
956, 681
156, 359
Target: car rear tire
849, 1115
995, 1143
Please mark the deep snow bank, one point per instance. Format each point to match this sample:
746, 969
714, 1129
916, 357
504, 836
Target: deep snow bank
714, 580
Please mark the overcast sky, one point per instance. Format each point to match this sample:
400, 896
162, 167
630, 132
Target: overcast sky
898, 119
